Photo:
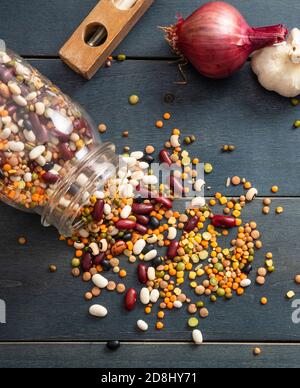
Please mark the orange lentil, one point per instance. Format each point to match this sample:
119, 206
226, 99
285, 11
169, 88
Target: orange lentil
167, 116
160, 314
4, 113
7, 167
122, 273
170, 306
264, 301
159, 325
159, 124
79, 253
240, 291
148, 310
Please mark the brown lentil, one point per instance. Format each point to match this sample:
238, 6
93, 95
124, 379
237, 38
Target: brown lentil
204, 313
22, 240
52, 268
192, 308
260, 280
96, 291
75, 272
102, 128
88, 296
297, 279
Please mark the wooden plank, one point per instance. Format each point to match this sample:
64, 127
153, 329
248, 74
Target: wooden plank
236, 111
41, 28
43, 306
95, 355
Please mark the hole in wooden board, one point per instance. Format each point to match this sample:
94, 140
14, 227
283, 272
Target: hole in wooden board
95, 34
124, 5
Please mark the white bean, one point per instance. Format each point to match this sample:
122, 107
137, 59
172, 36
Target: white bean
175, 141
29, 136
152, 239
145, 296
39, 108
84, 233
36, 152
78, 245
154, 296
107, 209
41, 160
199, 185
150, 180
27, 177
5, 133
172, 233
251, 194
197, 337
19, 100
245, 283
137, 155
151, 273
177, 304
198, 202
14, 88
126, 211
95, 249
137, 175
143, 165
31, 96
142, 325
150, 255
99, 280
139, 246
16, 146
98, 311
103, 245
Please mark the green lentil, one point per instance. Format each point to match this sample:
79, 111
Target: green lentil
75, 262
200, 304
193, 322
208, 168
294, 101
121, 57
213, 298
180, 266
220, 292
297, 123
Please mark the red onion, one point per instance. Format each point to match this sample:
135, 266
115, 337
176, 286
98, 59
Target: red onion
217, 40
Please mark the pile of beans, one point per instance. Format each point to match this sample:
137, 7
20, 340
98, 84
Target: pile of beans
40, 131
139, 228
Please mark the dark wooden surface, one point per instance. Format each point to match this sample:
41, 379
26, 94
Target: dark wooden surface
50, 307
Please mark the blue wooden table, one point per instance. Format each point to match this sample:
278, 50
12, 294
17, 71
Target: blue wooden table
47, 320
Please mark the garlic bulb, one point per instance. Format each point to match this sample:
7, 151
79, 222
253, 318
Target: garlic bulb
278, 66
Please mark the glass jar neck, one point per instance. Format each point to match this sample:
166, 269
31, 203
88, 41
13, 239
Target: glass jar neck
80, 180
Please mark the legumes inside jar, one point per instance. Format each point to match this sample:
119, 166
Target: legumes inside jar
41, 131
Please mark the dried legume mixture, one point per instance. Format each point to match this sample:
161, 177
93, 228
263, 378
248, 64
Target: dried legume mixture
168, 247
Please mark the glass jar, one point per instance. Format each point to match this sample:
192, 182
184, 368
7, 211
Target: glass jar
51, 159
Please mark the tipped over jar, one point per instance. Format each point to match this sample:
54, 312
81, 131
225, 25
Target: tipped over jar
51, 160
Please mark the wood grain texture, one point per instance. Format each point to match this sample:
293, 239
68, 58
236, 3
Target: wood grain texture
44, 306
236, 111
41, 27
95, 355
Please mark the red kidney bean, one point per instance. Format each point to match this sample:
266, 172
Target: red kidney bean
164, 157
125, 224
65, 151
221, 221
176, 185
86, 261
191, 224
166, 202
144, 220
130, 299
60, 135
6, 75
39, 130
141, 229
97, 260
98, 211
142, 208
11, 109
142, 273
172, 249
50, 177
